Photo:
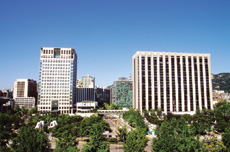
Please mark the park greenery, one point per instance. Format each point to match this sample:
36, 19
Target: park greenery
179, 133
97, 141
18, 131
30, 139
136, 140
183, 132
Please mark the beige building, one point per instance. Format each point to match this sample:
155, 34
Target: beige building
177, 83
25, 93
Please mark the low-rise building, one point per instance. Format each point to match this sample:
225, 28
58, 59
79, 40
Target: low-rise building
27, 102
86, 106
6, 104
220, 95
25, 93
7, 93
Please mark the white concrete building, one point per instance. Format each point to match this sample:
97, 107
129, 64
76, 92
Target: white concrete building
175, 82
57, 80
86, 106
27, 102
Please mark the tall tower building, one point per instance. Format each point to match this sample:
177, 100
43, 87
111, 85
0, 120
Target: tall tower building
57, 80
177, 83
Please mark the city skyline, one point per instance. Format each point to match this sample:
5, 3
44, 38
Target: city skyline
106, 34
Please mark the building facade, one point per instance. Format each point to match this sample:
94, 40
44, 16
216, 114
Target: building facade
175, 82
122, 92
25, 93
88, 81
102, 95
27, 102
25, 88
85, 94
8, 93
57, 80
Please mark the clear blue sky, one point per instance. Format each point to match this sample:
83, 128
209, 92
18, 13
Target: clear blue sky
107, 33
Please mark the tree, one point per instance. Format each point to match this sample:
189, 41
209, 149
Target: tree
96, 143
121, 133
175, 135
24, 111
159, 112
111, 106
136, 141
8, 123
226, 138
222, 115
215, 145
66, 144
30, 139
32, 111
135, 119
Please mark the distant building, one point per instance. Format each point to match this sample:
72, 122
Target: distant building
8, 93
220, 95
122, 92
177, 83
102, 95
88, 81
85, 89
25, 93
86, 106
27, 102
25, 88
6, 104
84, 94
57, 80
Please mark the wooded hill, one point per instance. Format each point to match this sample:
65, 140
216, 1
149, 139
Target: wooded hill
221, 81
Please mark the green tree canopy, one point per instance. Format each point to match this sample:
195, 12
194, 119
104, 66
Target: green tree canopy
136, 141
135, 119
121, 133
226, 139
9, 122
30, 139
96, 143
175, 135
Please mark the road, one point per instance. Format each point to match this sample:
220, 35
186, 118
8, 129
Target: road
113, 147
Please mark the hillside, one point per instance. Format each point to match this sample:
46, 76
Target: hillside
221, 81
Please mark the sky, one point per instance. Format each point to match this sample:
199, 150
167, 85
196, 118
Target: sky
107, 33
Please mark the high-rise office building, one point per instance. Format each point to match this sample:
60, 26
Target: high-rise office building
57, 80
25, 93
122, 92
175, 82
